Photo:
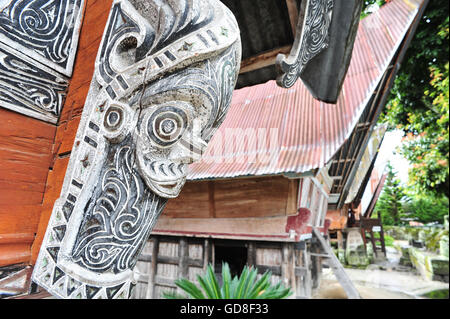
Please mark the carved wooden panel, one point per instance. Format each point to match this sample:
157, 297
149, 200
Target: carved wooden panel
38, 44
323, 47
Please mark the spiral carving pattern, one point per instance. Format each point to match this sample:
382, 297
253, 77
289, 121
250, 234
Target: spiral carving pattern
314, 39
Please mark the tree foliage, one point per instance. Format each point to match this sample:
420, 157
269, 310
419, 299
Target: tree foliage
398, 205
370, 5
427, 208
428, 150
390, 205
419, 102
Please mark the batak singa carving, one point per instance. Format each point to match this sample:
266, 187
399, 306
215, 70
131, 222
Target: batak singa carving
163, 82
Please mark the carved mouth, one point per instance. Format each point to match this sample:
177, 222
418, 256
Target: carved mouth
167, 172
165, 178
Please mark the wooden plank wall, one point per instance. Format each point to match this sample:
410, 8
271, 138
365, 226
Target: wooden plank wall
25, 157
313, 196
167, 258
95, 18
235, 198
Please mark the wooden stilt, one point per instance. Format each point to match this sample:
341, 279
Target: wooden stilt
153, 268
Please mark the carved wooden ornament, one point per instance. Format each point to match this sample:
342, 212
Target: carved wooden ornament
163, 82
311, 39
38, 42
323, 47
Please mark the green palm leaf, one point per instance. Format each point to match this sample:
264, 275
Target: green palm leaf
190, 288
249, 282
241, 284
226, 278
206, 288
213, 283
261, 285
246, 286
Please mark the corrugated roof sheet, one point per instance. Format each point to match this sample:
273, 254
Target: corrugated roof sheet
308, 132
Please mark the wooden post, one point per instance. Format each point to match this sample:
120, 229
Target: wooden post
307, 280
303, 286
285, 264
153, 269
262, 60
383, 245
183, 263
298, 279
293, 282
183, 253
213, 254
316, 264
382, 242
340, 239
206, 253
372, 239
293, 14
364, 237
251, 254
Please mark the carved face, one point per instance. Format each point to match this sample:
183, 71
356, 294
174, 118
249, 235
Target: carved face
164, 76
166, 144
168, 118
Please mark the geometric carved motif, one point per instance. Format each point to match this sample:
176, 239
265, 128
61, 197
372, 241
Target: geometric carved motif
38, 43
311, 39
164, 76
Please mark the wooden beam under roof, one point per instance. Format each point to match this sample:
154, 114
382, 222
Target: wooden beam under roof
262, 60
268, 58
293, 14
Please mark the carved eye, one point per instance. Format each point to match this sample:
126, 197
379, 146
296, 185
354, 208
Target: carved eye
113, 118
167, 125
117, 121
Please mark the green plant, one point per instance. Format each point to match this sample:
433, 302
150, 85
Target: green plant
388, 240
246, 286
390, 205
419, 102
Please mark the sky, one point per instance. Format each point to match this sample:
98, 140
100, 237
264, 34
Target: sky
4, 3
387, 153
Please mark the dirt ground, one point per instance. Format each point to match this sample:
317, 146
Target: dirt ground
385, 279
331, 289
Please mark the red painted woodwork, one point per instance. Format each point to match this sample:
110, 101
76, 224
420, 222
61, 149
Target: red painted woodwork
25, 157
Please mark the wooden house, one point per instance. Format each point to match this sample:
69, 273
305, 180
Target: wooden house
242, 210
258, 204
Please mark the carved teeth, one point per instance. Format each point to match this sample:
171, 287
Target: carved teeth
161, 169
166, 172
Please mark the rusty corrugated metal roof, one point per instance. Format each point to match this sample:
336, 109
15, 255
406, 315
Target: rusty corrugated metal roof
308, 132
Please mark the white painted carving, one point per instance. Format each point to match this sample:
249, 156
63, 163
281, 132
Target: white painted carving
38, 43
163, 82
311, 39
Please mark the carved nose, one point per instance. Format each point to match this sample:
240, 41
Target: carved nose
183, 155
189, 152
